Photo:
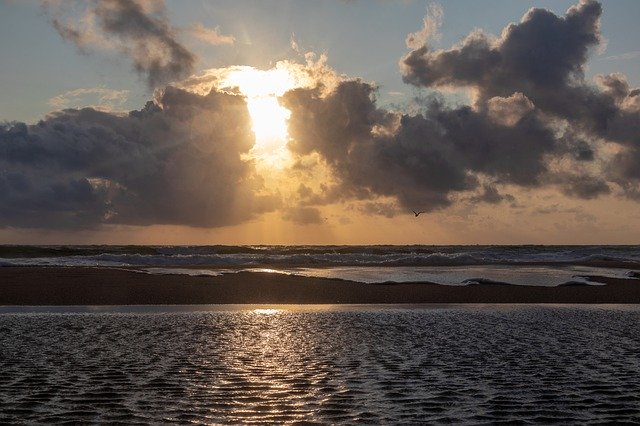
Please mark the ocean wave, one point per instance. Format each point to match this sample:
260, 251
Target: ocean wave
239, 256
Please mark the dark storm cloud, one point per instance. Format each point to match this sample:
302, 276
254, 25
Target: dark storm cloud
339, 127
543, 57
583, 152
420, 159
140, 30
541, 52
176, 161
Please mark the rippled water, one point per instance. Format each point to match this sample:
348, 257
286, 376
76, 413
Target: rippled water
328, 365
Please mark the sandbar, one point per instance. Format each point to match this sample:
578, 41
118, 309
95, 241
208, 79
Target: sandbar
105, 286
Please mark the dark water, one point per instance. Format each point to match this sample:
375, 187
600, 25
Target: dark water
456, 364
238, 256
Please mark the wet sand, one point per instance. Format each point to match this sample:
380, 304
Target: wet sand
103, 286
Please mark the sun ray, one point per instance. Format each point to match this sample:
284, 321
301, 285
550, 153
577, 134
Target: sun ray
269, 119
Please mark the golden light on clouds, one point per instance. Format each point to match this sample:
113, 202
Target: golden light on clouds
269, 119
262, 89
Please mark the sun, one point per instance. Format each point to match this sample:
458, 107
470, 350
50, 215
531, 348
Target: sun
269, 119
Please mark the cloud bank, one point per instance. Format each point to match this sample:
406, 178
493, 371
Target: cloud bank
535, 120
176, 161
535, 123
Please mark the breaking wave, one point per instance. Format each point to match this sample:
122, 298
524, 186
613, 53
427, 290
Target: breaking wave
248, 256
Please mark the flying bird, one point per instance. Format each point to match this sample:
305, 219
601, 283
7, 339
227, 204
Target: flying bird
417, 213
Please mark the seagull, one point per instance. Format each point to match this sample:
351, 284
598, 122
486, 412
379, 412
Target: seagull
417, 213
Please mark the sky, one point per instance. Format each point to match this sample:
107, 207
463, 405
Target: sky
307, 122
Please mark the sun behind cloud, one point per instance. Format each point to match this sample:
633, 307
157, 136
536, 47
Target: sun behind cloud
269, 119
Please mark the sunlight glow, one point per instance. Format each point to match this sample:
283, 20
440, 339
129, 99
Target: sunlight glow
266, 311
262, 89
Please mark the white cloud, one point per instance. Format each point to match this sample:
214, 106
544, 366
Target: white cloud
100, 98
210, 35
624, 56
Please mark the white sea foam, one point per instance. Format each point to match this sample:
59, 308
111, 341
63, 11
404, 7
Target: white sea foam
183, 271
547, 276
451, 265
463, 275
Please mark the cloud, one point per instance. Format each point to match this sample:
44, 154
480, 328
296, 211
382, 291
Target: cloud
532, 108
542, 57
539, 64
583, 185
491, 195
179, 160
508, 111
303, 215
139, 29
623, 56
419, 159
209, 35
380, 208
430, 27
535, 122
100, 98
542, 51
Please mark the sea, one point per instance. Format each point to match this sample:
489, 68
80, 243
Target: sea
327, 364
448, 265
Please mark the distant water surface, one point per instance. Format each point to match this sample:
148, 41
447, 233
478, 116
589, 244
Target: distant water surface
307, 256
472, 364
449, 265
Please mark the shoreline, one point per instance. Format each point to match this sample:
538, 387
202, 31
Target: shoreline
59, 286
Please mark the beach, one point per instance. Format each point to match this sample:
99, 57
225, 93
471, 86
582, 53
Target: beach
141, 345
110, 286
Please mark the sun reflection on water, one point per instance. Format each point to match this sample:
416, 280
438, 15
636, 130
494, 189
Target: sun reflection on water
266, 311
271, 367
371, 365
